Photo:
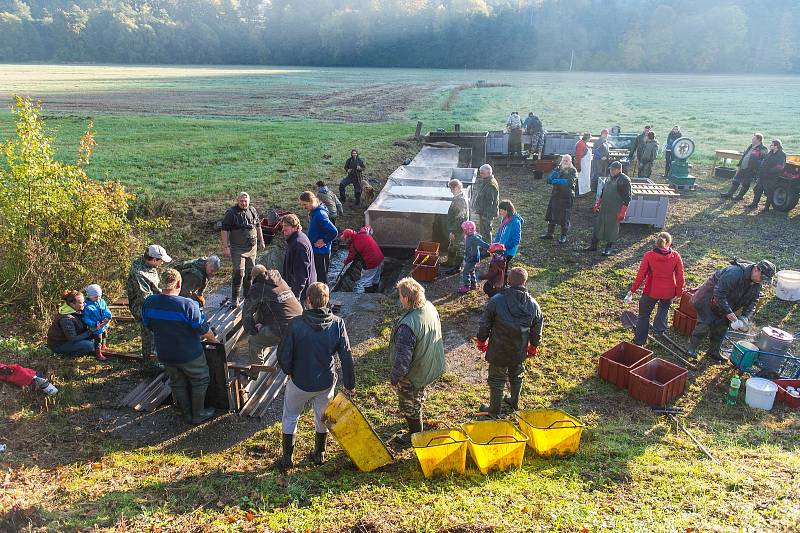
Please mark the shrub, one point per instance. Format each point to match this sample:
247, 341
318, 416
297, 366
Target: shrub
59, 229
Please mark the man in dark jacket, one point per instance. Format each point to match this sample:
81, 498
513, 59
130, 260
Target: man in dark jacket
306, 355
241, 236
635, 153
298, 263
194, 277
747, 167
648, 155
268, 308
771, 169
178, 326
510, 331
416, 353
354, 166
734, 288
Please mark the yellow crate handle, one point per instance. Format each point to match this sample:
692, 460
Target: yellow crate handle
573, 424
503, 437
437, 437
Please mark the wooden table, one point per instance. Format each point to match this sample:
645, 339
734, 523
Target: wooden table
726, 155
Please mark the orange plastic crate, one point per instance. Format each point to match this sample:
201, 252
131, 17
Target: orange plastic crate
686, 306
616, 364
657, 382
784, 396
683, 323
425, 268
427, 247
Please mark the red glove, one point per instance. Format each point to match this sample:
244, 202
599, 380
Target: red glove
481, 345
621, 214
596, 207
532, 350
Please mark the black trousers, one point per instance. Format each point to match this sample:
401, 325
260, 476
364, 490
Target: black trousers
321, 264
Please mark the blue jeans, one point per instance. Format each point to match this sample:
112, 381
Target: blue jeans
468, 274
73, 348
646, 305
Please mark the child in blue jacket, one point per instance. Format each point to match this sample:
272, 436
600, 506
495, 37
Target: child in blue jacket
97, 316
473, 243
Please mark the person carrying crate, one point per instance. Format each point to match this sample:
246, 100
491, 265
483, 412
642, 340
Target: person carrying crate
736, 287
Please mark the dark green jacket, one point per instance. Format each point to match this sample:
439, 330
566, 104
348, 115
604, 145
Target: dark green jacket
486, 197
649, 152
427, 363
637, 147
457, 213
193, 277
143, 280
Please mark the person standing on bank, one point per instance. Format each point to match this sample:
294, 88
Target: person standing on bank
178, 326
673, 136
457, 214
747, 167
648, 156
306, 355
509, 234
321, 233
510, 331
354, 167
559, 208
735, 288
416, 353
600, 155
241, 237
298, 261
611, 208
635, 153
583, 164
662, 268
485, 199
143, 281
771, 169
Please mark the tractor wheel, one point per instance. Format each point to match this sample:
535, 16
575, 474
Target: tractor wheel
784, 197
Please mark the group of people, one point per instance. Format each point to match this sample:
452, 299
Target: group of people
532, 126
760, 164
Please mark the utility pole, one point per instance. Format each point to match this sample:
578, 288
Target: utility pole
571, 60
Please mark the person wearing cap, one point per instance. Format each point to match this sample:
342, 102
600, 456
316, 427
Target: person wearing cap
733, 289
179, 327
267, 310
635, 153
559, 208
321, 233
298, 262
610, 208
361, 244
495, 276
241, 237
194, 277
510, 331
97, 317
143, 280
600, 155
457, 213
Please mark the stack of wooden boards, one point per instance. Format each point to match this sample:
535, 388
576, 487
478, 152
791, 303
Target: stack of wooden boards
262, 391
148, 394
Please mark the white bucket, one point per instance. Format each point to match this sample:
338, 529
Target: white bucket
760, 393
788, 287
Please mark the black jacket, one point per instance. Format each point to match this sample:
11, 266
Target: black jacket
729, 289
772, 166
306, 351
512, 320
270, 302
353, 164
298, 264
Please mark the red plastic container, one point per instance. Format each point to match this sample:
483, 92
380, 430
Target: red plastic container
657, 382
616, 364
686, 306
683, 323
544, 166
427, 247
785, 397
425, 268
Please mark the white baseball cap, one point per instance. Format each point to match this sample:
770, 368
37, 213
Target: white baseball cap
158, 252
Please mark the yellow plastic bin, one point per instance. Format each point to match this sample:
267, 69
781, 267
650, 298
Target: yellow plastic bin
440, 451
354, 434
495, 444
551, 432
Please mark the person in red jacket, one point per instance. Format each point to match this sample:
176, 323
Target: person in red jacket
663, 268
361, 244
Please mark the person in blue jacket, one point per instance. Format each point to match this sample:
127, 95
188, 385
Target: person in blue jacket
321, 233
509, 233
97, 317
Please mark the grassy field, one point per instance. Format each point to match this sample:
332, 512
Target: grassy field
79, 463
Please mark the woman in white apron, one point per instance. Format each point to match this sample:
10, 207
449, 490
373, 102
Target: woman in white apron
584, 155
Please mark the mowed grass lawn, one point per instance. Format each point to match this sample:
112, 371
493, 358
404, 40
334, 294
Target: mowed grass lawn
634, 471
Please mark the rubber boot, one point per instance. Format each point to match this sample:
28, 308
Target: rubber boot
563, 238
607, 250
320, 442
757, 193
513, 400
199, 412
593, 246
98, 352
358, 197
549, 235
495, 398
414, 426
745, 188
731, 190
692, 348
287, 443
714, 352
183, 404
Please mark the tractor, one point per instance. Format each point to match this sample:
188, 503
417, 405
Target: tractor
787, 187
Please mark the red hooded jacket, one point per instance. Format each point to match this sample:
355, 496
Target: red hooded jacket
663, 268
364, 245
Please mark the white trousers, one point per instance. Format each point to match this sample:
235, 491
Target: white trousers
369, 278
295, 401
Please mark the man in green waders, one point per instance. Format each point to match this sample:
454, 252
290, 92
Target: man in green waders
611, 208
417, 353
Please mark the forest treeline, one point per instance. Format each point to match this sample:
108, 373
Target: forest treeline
729, 36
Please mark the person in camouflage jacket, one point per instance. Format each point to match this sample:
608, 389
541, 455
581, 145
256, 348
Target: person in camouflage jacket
143, 281
194, 277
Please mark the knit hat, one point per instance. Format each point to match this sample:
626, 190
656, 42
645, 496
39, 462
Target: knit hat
497, 247
468, 226
93, 290
347, 234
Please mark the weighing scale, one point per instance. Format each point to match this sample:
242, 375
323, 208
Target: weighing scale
679, 177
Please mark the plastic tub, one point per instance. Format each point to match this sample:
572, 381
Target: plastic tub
760, 393
788, 285
440, 451
783, 395
495, 444
616, 364
657, 382
551, 432
744, 354
355, 435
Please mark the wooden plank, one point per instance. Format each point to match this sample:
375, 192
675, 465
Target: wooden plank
262, 384
156, 401
271, 394
149, 398
145, 392
133, 393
